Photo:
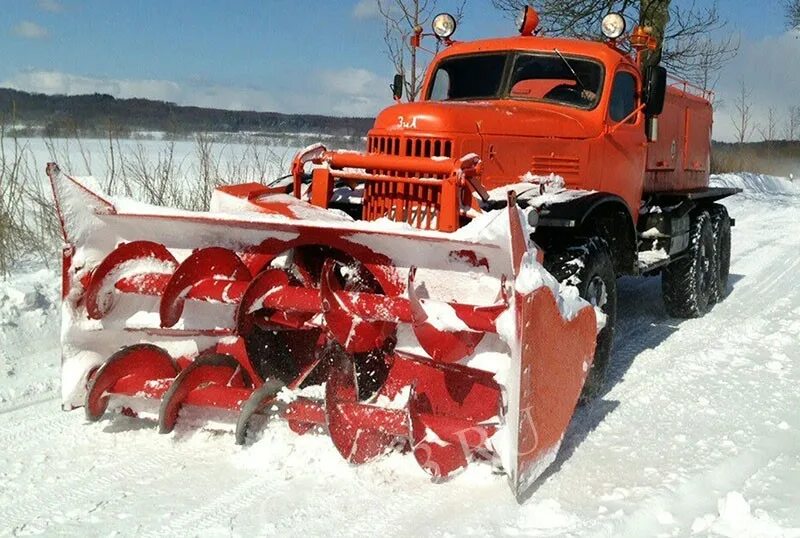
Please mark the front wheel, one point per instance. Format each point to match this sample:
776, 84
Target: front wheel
588, 265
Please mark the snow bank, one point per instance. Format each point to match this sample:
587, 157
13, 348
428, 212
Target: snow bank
28, 327
761, 184
735, 519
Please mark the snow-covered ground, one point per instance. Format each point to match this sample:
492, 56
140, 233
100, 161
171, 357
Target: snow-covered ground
699, 433
245, 159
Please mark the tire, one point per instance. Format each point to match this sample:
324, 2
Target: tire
688, 282
588, 265
721, 226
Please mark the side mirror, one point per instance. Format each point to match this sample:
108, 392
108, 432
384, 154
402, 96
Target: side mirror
397, 86
655, 90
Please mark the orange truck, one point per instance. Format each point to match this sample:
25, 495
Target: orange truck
632, 146
450, 292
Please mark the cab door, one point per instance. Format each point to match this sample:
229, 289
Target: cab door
625, 141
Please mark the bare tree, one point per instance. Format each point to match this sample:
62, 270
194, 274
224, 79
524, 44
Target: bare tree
708, 60
793, 13
682, 27
769, 131
793, 123
742, 117
401, 19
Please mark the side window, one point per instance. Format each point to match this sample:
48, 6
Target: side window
623, 97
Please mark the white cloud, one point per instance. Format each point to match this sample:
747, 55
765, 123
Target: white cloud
350, 81
56, 82
366, 9
52, 6
355, 92
209, 95
30, 30
770, 69
344, 92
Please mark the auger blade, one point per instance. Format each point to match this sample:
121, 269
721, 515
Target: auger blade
136, 366
354, 333
209, 377
138, 267
447, 338
259, 400
211, 266
252, 310
359, 432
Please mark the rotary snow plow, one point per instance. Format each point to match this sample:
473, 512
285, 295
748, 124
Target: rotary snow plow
387, 333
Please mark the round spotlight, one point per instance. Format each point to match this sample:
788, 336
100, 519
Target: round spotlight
613, 25
444, 25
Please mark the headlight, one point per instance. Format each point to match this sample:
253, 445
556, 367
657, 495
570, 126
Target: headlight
613, 25
444, 25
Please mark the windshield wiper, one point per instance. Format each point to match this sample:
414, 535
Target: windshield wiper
569, 65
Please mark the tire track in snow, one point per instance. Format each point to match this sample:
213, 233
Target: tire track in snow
217, 513
29, 430
16, 405
690, 499
742, 320
80, 489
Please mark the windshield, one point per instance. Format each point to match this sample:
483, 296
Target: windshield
468, 77
552, 77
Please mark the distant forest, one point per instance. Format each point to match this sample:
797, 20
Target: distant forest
774, 157
101, 115
104, 115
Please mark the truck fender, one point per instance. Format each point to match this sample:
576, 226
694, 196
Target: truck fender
597, 214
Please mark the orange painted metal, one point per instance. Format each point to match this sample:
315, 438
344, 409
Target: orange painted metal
554, 358
519, 133
680, 158
530, 21
428, 193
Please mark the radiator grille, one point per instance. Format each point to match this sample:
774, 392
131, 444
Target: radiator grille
417, 205
409, 146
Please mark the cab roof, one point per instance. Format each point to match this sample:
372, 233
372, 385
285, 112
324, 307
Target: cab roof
578, 47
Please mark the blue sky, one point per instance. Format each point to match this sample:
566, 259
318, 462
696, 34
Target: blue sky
295, 56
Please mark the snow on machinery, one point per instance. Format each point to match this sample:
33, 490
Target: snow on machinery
398, 298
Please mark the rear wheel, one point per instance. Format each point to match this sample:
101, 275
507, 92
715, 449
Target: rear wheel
588, 265
721, 226
687, 284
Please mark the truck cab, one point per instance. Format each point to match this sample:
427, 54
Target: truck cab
529, 105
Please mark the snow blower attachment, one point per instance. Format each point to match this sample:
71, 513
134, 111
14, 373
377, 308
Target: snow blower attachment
453, 346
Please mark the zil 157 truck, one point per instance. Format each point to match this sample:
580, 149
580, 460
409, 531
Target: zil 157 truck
450, 291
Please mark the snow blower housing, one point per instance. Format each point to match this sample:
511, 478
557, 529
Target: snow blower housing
396, 298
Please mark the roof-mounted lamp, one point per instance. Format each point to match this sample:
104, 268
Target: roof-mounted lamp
444, 25
613, 25
528, 21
